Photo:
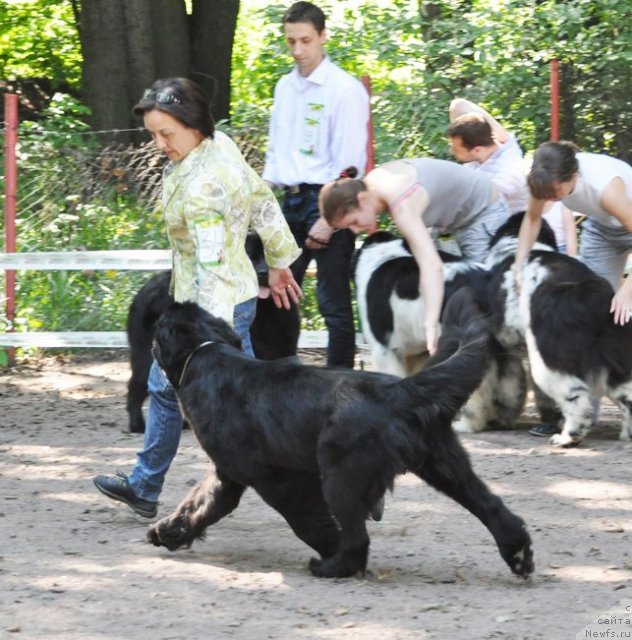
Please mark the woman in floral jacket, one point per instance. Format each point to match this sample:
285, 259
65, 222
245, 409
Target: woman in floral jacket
211, 197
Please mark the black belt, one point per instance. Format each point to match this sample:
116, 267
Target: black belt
304, 186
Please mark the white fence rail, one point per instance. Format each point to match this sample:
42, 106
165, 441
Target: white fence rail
134, 260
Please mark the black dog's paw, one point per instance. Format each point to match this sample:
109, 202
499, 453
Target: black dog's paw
172, 534
136, 427
520, 557
334, 567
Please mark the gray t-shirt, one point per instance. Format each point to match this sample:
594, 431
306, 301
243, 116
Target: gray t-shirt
457, 195
595, 172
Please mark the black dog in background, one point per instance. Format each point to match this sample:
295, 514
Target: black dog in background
323, 445
274, 332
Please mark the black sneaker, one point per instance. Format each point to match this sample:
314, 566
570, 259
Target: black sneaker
544, 429
117, 487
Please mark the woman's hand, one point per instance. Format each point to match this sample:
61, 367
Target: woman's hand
517, 274
621, 305
283, 287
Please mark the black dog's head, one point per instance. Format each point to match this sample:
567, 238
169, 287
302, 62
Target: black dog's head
181, 329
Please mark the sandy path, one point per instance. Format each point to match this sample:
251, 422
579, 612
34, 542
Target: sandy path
75, 566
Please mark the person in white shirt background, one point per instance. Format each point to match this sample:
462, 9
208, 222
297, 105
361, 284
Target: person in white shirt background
598, 186
317, 128
479, 141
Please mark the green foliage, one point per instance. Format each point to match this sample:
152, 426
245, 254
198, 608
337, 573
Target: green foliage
39, 39
62, 207
419, 55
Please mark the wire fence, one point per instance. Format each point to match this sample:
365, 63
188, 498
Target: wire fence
61, 174
76, 194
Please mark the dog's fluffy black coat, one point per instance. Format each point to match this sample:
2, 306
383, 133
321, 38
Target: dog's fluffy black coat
274, 332
321, 445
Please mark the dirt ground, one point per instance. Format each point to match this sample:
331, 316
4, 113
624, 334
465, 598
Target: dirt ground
75, 565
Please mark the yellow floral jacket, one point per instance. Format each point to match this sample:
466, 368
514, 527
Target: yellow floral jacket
210, 200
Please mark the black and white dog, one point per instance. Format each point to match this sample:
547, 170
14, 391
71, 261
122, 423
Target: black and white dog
322, 445
391, 310
386, 278
274, 332
576, 352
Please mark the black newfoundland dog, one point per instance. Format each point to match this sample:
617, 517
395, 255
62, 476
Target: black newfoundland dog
322, 446
274, 332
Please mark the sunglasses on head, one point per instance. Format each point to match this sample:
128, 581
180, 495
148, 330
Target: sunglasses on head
161, 97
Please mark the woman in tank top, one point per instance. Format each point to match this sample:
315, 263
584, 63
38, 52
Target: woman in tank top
419, 194
600, 187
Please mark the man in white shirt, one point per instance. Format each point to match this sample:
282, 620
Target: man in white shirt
318, 128
481, 142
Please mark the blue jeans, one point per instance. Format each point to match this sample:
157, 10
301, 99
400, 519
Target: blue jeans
473, 240
334, 277
164, 420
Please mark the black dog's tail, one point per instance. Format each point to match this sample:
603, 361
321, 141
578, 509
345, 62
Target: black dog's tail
449, 377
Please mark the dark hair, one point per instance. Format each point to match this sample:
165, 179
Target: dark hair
552, 162
341, 195
473, 129
181, 98
306, 12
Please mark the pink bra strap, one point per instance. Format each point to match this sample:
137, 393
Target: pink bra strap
409, 192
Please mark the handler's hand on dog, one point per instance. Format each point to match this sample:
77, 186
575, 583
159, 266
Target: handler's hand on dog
319, 235
621, 307
283, 287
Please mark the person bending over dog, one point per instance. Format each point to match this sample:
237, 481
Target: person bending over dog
418, 194
482, 143
210, 199
599, 187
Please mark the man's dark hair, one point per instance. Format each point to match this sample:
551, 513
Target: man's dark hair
473, 129
306, 12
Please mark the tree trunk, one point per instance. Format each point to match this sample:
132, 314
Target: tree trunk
170, 30
213, 32
102, 32
126, 45
567, 115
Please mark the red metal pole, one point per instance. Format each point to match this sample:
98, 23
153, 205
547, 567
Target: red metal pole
370, 147
555, 101
11, 199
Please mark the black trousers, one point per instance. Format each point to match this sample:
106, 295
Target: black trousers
334, 277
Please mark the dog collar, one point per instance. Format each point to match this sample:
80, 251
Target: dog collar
186, 362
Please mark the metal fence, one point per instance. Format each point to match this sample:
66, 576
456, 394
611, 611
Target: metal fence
84, 230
